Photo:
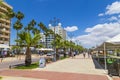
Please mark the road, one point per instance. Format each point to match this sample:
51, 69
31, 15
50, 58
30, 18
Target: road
6, 64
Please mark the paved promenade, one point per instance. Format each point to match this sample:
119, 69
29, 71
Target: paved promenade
76, 68
75, 65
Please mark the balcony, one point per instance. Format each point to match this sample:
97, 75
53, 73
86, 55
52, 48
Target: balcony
4, 36
3, 9
4, 42
4, 20
4, 26
5, 31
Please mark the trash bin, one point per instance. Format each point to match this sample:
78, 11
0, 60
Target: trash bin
42, 62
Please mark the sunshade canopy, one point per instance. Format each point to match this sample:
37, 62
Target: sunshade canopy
111, 44
4, 46
45, 49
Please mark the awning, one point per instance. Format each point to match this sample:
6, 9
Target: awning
4, 46
45, 49
114, 40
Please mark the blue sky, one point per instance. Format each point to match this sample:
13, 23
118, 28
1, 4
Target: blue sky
85, 16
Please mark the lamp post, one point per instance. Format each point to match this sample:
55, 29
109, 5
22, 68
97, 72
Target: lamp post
54, 23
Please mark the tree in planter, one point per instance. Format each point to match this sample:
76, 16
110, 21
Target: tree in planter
79, 48
27, 39
57, 44
65, 45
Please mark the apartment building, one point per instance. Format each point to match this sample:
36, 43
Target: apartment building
4, 24
47, 40
58, 30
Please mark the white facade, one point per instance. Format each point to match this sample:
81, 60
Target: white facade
46, 41
58, 30
4, 24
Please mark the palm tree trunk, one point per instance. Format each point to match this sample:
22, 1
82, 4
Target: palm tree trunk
17, 46
57, 54
64, 52
17, 37
28, 57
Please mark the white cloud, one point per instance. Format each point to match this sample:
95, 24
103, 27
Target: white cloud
101, 14
113, 18
118, 16
98, 34
114, 8
71, 29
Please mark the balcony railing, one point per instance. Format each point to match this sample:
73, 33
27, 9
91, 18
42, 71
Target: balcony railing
3, 9
5, 20
3, 36
4, 26
5, 31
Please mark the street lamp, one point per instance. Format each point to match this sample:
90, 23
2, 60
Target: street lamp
54, 23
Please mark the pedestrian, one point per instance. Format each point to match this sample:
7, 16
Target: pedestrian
72, 54
84, 54
2, 54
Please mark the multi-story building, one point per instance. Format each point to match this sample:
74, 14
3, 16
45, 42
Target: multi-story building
4, 24
47, 40
58, 30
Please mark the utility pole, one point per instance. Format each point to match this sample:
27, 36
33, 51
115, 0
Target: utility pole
54, 23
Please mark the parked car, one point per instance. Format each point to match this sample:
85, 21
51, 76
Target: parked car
49, 54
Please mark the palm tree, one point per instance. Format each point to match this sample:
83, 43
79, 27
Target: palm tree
65, 45
57, 44
17, 26
19, 15
35, 30
30, 25
43, 27
27, 39
45, 30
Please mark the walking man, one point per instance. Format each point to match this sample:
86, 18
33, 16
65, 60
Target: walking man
84, 54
